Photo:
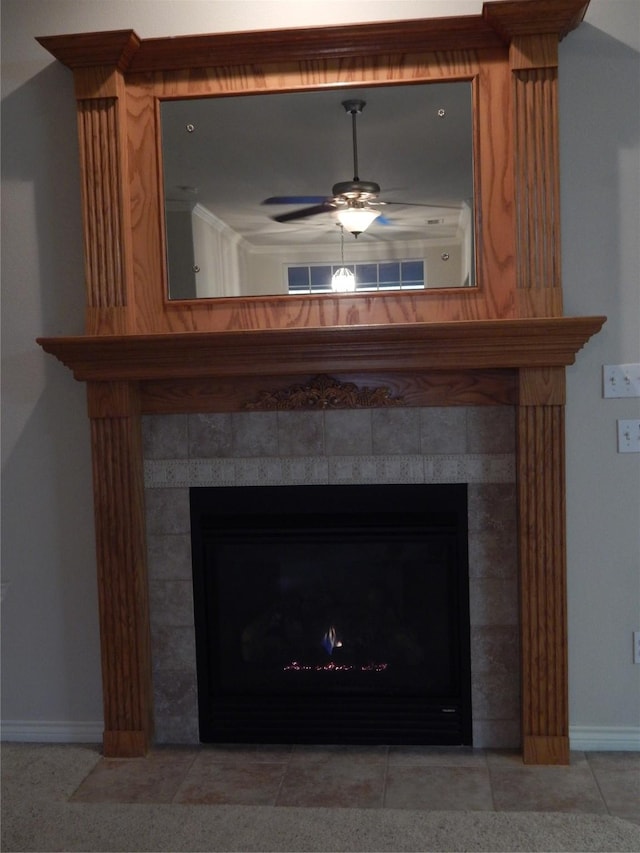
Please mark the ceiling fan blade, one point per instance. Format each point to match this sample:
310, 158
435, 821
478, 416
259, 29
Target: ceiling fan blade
420, 204
304, 212
295, 199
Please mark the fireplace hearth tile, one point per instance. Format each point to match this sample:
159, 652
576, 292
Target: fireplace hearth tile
439, 788
520, 787
339, 781
154, 779
338, 755
212, 781
437, 756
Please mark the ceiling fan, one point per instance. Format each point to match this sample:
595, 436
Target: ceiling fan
355, 202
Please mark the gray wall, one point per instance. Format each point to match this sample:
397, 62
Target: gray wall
50, 667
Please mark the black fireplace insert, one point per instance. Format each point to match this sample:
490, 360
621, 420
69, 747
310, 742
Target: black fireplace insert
332, 614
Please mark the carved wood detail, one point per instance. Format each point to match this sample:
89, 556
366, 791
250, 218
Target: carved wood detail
324, 392
221, 394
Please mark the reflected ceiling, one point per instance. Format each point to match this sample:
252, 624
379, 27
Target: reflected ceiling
229, 154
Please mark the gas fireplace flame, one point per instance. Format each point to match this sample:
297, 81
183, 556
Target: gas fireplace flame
330, 640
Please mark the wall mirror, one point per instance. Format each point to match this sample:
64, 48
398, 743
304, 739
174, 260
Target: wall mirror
250, 190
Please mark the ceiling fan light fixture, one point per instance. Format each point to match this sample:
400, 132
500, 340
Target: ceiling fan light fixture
357, 219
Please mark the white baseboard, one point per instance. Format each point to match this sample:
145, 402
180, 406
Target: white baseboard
42, 731
605, 738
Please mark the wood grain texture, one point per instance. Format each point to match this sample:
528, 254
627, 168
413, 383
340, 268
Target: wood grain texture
122, 573
543, 618
469, 388
499, 22
488, 344
494, 297
523, 17
537, 186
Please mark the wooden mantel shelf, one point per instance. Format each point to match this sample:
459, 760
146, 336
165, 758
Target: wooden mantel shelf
465, 345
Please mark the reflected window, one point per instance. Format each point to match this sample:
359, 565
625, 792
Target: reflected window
386, 275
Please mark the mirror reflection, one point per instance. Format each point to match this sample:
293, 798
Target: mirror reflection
315, 192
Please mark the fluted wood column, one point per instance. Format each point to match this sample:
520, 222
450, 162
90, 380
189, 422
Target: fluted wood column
102, 127
534, 61
118, 489
542, 554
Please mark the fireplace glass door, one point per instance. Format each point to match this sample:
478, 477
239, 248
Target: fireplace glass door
332, 614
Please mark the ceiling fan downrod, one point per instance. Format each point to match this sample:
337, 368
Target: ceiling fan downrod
355, 188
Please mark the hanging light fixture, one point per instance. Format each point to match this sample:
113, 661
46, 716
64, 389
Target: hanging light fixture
356, 218
343, 280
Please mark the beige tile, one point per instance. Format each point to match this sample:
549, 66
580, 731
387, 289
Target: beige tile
438, 788
434, 756
338, 782
338, 755
215, 780
613, 761
519, 787
154, 779
621, 792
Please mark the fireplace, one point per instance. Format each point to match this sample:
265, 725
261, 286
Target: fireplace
329, 614
505, 342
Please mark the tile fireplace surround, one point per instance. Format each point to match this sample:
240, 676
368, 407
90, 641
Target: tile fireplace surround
473, 445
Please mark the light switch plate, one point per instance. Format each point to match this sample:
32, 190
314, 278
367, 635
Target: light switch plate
621, 380
629, 435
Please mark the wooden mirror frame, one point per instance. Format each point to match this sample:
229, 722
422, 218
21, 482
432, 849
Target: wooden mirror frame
505, 342
509, 53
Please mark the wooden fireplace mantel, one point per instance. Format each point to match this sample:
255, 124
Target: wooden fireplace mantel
502, 342
416, 347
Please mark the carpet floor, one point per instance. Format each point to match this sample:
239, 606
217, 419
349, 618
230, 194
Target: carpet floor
68, 798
